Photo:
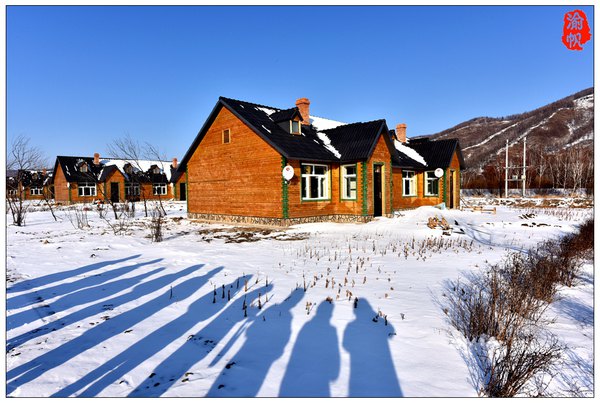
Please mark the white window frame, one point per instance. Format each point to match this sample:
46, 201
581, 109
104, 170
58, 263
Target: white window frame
353, 178
292, 127
12, 192
322, 182
89, 186
409, 183
430, 180
83, 167
129, 186
159, 189
37, 191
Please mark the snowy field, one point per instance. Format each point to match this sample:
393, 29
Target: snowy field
331, 309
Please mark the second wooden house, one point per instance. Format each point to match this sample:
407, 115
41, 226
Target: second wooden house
88, 179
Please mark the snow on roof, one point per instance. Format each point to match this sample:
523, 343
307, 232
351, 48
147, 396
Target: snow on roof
409, 152
328, 144
268, 111
143, 165
324, 124
266, 128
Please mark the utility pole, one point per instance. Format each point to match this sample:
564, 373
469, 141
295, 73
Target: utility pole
506, 172
524, 164
516, 177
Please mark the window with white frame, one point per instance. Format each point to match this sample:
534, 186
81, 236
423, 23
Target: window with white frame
159, 189
295, 127
36, 191
12, 192
83, 167
86, 189
409, 183
315, 182
431, 184
132, 189
349, 181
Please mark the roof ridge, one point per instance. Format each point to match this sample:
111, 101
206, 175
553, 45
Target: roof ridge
354, 123
253, 104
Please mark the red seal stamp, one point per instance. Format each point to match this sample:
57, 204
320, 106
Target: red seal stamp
576, 30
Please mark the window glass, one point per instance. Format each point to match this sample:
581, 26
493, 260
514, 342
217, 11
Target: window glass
431, 184
348, 181
315, 182
409, 183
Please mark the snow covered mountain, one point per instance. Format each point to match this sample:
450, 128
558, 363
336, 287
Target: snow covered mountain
551, 128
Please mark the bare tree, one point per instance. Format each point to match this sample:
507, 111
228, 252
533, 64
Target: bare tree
131, 150
134, 152
22, 156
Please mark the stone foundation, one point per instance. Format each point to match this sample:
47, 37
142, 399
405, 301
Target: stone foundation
278, 222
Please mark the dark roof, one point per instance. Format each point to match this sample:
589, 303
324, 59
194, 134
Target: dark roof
437, 153
285, 114
98, 173
404, 161
70, 167
31, 178
354, 141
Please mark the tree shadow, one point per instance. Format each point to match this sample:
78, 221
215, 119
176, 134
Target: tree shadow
98, 292
79, 297
63, 275
265, 342
42, 294
372, 371
197, 347
111, 371
33, 369
315, 359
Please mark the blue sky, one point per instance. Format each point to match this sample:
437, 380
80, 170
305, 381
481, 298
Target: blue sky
78, 77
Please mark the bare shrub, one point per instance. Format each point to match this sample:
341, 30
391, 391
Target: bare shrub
156, 224
514, 364
78, 217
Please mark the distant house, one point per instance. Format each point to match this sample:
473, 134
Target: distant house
237, 163
428, 173
86, 179
29, 184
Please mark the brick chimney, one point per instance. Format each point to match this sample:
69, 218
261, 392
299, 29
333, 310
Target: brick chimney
174, 164
44, 171
96, 159
303, 105
401, 132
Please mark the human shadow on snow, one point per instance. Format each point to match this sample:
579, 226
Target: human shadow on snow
63, 275
315, 359
80, 297
114, 369
89, 295
174, 368
35, 368
41, 294
265, 342
372, 371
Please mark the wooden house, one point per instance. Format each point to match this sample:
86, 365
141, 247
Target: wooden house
258, 164
428, 172
87, 179
337, 171
29, 184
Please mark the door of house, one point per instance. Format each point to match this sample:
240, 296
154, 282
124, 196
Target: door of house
377, 191
182, 193
451, 203
114, 192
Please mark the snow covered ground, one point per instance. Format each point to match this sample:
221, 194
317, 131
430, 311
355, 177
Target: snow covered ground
331, 309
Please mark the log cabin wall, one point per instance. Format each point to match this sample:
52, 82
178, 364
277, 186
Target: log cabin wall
241, 178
